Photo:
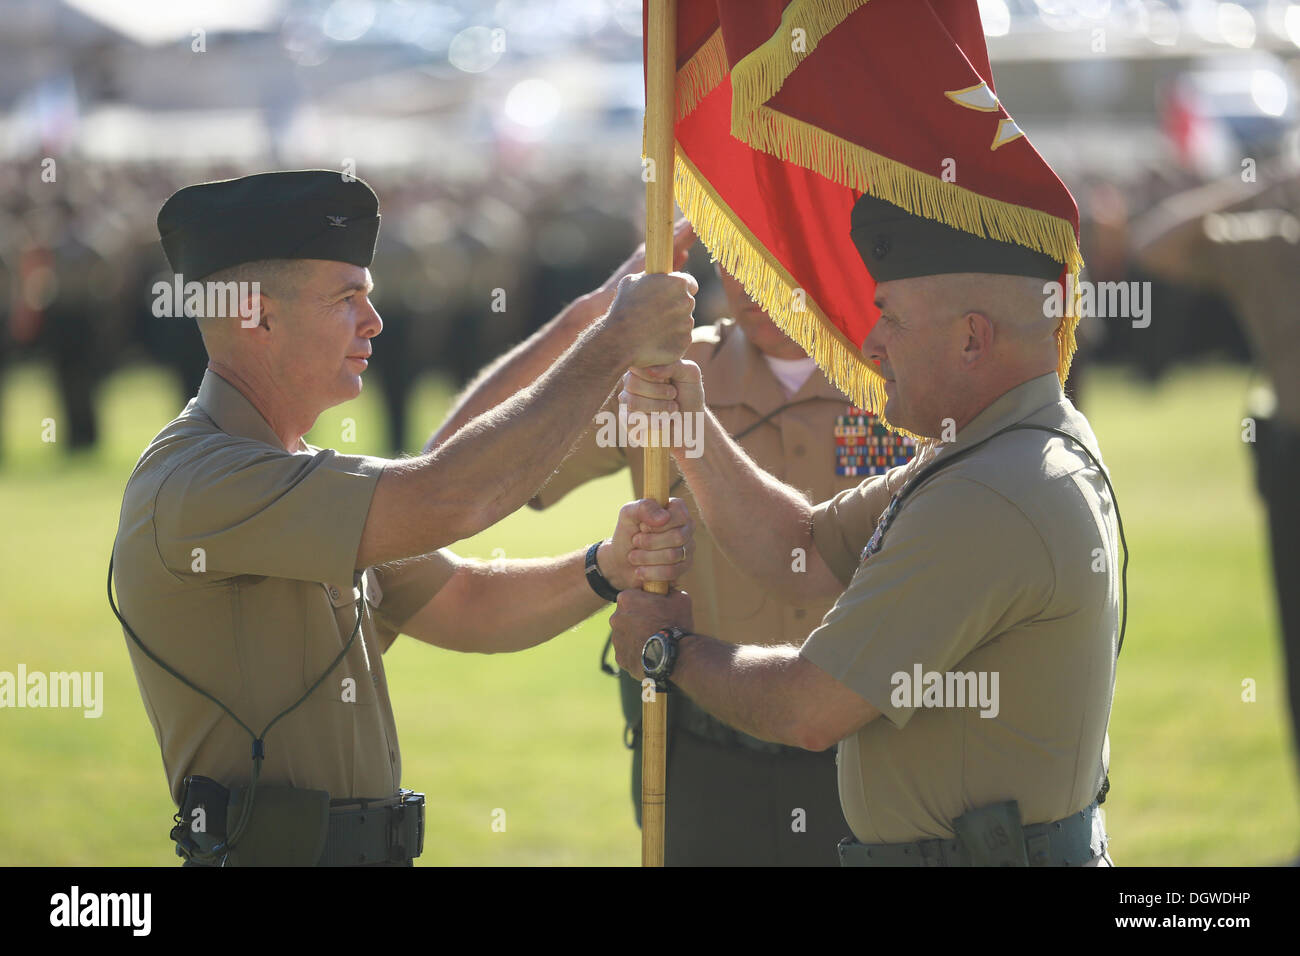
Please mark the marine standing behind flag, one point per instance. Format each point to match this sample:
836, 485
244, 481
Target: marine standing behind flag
736, 800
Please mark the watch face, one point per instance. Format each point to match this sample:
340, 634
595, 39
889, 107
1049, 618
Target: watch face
652, 658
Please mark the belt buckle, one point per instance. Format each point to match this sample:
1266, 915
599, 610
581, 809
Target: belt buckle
409, 802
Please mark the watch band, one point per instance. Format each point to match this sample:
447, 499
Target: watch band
671, 637
599, 583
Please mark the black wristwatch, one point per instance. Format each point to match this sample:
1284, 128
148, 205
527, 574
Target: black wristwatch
599, 583
660, 653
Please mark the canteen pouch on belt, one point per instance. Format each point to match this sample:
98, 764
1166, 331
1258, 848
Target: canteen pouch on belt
288, 827
992, 835
201, 819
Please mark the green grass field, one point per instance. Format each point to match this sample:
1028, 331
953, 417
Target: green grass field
1198, 776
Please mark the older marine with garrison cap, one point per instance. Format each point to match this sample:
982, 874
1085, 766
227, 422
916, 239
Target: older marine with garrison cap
262, 578
966, 669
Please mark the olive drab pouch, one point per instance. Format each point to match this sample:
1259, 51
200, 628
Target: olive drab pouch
288, 826
992, 835
201, 819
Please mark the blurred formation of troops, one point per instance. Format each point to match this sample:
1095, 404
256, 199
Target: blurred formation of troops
463, 271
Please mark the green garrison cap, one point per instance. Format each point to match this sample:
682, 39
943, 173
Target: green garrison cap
300, 214
898, 245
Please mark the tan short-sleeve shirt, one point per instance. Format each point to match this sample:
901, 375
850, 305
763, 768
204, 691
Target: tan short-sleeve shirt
234, 562
1003, 566
797, 445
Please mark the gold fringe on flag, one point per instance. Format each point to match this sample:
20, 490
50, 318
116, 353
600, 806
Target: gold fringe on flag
771, 285
763, 71
921, 194
755, 80
701, 74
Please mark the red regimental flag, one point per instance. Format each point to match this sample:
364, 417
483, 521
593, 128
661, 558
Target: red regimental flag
789, 110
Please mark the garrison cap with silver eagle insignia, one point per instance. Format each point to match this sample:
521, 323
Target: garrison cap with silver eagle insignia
297, 214
895, 244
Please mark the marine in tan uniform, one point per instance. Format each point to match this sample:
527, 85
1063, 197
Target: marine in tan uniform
977, 603
262, 578
1242, 240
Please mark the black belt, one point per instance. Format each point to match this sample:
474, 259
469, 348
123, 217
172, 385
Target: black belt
1073, 841
370, 835
366, 835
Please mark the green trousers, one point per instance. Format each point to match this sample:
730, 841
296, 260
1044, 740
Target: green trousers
730, 806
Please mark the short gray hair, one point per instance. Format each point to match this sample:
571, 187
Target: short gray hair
280, 278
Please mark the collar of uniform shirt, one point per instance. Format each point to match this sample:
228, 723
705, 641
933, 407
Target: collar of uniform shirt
232, 412
1013, 406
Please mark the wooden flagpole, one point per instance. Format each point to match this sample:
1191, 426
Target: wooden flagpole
660, 110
